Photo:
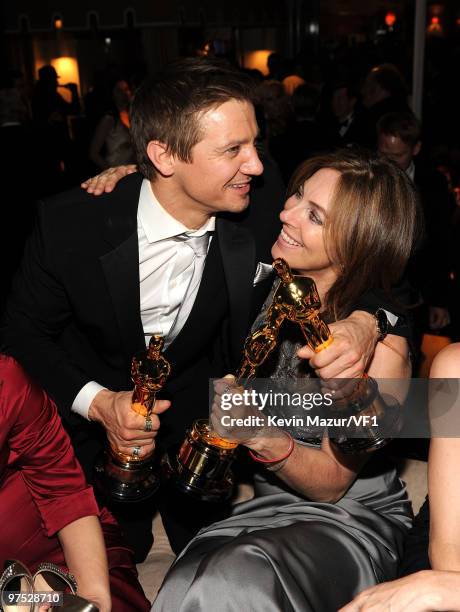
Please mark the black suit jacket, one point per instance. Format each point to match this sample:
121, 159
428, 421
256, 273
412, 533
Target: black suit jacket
431, 265
74, 313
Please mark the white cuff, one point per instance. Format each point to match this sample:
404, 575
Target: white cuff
84, 398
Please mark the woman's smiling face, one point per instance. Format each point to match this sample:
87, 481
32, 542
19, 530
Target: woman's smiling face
302, 240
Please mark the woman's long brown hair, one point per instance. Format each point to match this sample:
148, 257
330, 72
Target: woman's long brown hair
373, 222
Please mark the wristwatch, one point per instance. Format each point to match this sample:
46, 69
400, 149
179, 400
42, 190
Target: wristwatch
382, 323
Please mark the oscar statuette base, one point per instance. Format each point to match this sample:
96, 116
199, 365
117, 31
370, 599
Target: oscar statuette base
390, 424
124, 480
202, 467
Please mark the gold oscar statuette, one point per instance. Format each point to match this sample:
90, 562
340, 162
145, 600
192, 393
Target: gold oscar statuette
300, 301
130, 478
202, 467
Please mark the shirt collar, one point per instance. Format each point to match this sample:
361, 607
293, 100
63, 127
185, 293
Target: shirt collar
410, 171
348, 119
159, 224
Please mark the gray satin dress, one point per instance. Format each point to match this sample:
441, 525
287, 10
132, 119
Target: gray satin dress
282, 552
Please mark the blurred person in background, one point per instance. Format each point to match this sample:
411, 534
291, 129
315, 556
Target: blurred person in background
347, 129
111, 142
383, 91
50, 112
276, 110
18, 152
399, 138
304, 136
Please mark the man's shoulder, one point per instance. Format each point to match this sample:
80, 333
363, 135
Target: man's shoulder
124, 197
76, 204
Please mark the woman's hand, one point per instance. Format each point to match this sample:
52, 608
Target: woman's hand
424, 591
98, 596
84, 551
234, 416
107, 180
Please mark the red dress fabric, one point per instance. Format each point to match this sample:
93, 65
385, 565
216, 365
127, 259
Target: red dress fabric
43, 489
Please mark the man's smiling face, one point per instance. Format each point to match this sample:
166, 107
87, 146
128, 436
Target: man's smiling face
223, 161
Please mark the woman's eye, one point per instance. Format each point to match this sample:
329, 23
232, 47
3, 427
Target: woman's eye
314, 217
299, 193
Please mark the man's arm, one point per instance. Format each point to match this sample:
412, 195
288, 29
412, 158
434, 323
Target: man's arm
36, 314
348, 356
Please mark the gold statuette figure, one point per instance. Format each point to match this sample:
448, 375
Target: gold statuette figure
202, 467
299, 300
129, 477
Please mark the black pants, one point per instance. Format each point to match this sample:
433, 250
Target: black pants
415, 556
182, 518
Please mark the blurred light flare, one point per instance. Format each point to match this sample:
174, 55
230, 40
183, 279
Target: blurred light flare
258, 60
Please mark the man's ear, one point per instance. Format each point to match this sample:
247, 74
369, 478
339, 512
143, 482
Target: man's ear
161, 157
416, 149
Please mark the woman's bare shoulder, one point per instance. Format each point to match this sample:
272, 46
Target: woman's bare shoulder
446, 364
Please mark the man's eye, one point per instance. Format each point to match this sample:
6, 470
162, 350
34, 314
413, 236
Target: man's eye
233, 150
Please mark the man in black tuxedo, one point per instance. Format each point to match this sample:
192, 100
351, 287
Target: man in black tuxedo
348, 127
169, 252
399, 138
384, 91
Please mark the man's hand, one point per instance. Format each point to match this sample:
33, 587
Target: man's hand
349, 354
107, 180
125, 428
424, 591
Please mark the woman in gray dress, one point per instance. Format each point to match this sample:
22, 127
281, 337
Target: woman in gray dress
322, 525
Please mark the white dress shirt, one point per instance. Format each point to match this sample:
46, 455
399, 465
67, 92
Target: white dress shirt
344, 125
171, 263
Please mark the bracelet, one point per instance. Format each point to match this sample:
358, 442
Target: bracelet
278, 459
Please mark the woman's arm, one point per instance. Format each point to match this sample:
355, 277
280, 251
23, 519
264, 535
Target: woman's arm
443, 477
97, 143
84, 551
325, 474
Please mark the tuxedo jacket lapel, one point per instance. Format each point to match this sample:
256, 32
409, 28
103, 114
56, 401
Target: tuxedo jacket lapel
121, 270
239, 263
121, 264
